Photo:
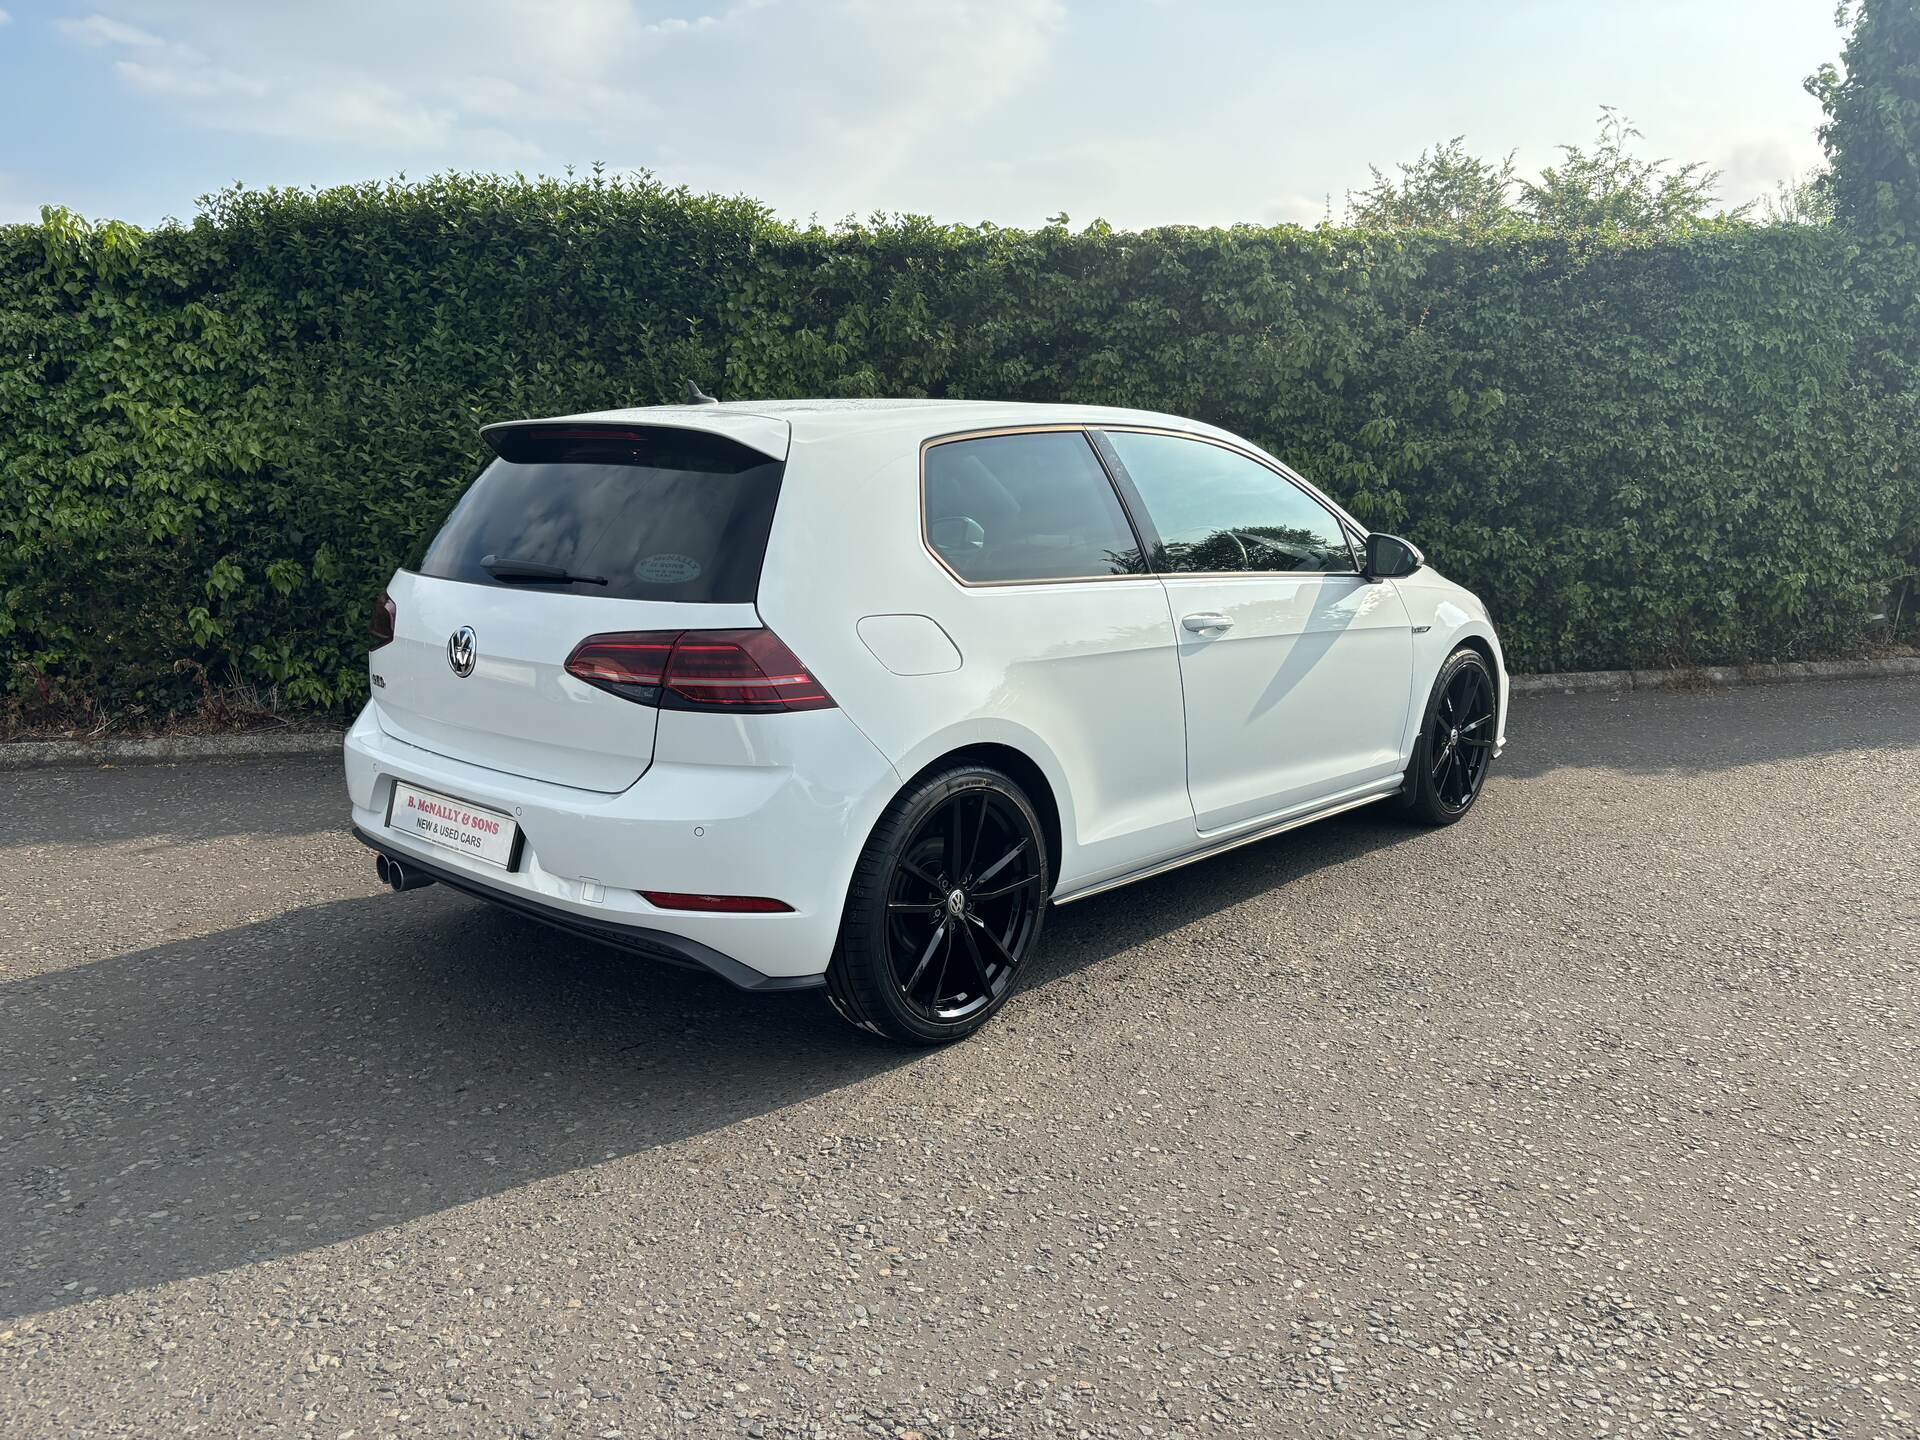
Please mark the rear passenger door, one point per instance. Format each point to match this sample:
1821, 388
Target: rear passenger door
1296, 671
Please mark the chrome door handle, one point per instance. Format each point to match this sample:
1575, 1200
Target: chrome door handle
1210, 620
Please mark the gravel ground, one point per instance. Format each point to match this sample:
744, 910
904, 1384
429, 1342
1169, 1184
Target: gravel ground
1595, 1115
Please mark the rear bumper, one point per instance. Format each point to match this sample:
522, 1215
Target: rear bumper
653, 944
777, 805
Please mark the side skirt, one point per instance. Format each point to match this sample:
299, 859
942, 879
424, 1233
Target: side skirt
1206, 852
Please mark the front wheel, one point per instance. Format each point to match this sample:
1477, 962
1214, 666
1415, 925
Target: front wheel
1457, 736
945, 907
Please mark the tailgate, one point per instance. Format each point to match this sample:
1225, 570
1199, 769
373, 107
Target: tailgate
518, 710
574, 530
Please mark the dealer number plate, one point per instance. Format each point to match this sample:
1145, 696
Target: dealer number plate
480, 834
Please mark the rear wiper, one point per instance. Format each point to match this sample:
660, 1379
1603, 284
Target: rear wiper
511, 572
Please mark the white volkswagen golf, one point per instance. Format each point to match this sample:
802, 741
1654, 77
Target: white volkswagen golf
844, 694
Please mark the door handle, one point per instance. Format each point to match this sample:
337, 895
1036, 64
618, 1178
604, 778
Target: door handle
1206, 621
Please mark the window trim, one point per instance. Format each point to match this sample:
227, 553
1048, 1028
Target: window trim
1087, 433
1340, 520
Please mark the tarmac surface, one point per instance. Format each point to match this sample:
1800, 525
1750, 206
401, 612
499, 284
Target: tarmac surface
1596, 1114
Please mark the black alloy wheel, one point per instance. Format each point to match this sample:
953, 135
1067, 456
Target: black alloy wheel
946, 906
962, 905
1457, 739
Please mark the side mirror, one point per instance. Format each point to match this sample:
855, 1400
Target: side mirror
1389, 557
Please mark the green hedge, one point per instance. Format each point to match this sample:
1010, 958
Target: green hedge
216, 441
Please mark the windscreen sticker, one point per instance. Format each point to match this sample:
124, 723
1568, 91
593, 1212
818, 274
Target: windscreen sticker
667, 568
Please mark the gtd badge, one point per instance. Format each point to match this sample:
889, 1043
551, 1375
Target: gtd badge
461, 651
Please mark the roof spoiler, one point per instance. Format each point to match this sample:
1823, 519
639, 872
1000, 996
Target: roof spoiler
763, 433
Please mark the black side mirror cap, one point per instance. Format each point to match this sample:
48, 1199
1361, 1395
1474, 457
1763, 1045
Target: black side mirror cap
1391, 558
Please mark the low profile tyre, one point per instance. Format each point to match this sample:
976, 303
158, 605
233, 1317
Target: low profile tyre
1455, 748
944, 910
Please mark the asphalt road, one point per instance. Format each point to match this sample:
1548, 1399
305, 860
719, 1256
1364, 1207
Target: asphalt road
1598, 1114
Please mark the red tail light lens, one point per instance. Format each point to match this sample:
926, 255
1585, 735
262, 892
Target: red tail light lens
385, 613
748, 672
715, 904
739, 670
631, 666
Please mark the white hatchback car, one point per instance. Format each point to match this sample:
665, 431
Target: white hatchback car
844, 693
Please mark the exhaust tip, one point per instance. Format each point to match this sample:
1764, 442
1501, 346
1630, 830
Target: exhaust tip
396, 877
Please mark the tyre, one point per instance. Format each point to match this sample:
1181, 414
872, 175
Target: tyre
1457, 735
944, 910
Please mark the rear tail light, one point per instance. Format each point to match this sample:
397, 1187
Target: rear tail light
715, 904
735, 669
631, 666
381, 626
742, 672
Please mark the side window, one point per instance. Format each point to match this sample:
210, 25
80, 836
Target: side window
1217, 510
1037, 506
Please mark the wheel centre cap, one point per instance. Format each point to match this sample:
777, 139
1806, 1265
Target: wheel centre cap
957, 903
1456, 733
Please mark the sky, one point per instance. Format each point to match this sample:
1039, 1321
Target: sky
1138, 112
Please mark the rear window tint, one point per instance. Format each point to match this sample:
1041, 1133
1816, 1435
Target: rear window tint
1034, 506
655, 514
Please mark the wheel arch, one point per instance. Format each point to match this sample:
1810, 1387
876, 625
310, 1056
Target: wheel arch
1482, 645
1023, 770
1477, 635
1444, 624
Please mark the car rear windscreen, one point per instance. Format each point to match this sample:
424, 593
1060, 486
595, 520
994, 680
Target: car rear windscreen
646, 514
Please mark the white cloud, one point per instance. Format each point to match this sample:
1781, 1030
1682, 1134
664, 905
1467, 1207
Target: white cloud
1755, 166
5, 18
917, 66
364, 113
1146, 112
100, 30
825, 104
680, 27
275, 80
844, 106
428, 81
192, 81
164, 67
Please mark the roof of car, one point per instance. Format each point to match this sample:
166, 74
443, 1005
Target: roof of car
774, 427
812, 419
853, 411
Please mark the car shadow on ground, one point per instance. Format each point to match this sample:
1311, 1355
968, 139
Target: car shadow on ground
333, 1070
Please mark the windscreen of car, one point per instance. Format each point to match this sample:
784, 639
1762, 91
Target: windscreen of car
634, 514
